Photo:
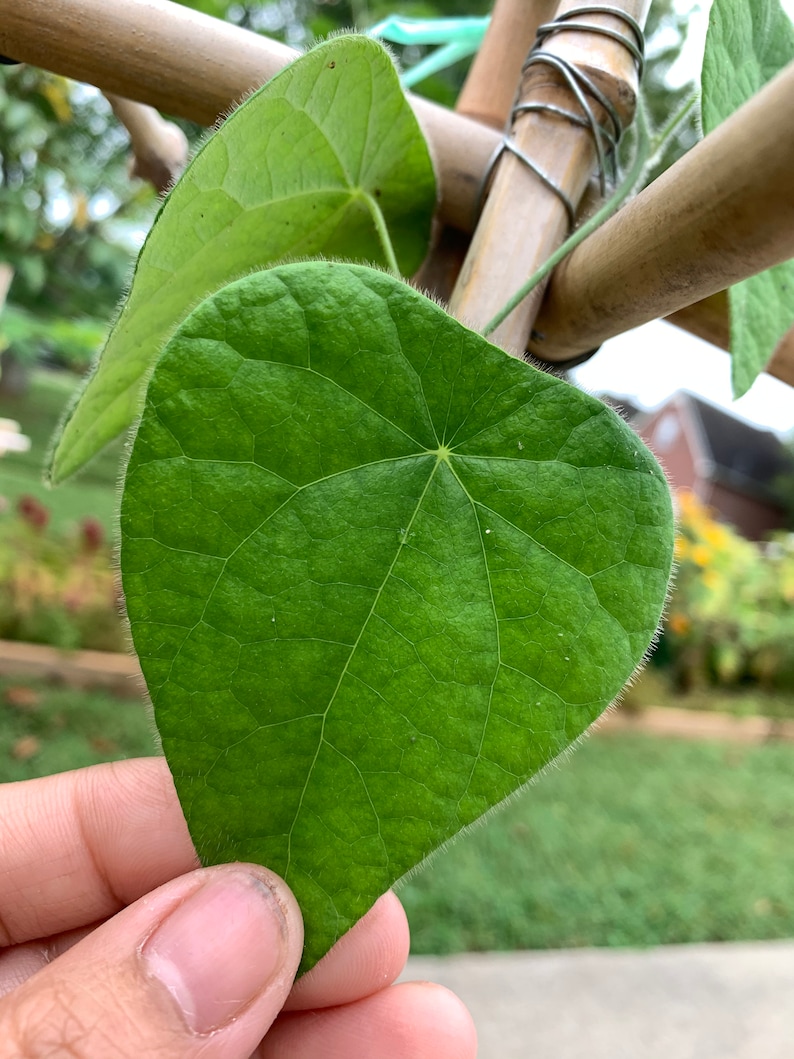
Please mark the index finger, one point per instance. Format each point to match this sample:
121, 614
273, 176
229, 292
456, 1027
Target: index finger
78, 847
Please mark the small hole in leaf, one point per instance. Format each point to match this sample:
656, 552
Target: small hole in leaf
332, 65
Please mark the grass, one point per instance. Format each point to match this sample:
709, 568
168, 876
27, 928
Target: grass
38, 413
632, 840
45, 729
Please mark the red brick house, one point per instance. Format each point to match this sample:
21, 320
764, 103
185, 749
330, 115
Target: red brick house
728, 464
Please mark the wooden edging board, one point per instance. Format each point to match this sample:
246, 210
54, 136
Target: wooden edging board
121, 674
696, 724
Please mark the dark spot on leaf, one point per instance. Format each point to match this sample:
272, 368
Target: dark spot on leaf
332, 65
377, 193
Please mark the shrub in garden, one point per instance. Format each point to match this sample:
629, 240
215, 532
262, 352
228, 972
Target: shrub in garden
56, 589
732, 613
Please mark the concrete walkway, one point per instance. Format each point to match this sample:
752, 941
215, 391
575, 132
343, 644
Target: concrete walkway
728, 1001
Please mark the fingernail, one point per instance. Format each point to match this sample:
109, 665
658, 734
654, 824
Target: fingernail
219, 949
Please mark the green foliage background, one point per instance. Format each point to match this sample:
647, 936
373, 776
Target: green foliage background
731, 614
59, 144
67, 212
747, 45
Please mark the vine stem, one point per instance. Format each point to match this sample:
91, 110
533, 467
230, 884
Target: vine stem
621, 193
383, 235
662, 138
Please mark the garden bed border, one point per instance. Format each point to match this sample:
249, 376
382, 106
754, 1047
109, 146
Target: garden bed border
118, 673
121, 675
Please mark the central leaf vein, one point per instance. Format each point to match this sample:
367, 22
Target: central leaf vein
497, 635
310, 771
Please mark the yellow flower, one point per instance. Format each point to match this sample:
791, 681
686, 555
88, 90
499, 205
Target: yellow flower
682, 548
679, 624
716, 535
712, 580
688, 503
701, 555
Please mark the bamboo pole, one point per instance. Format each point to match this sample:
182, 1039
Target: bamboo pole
159, 147
723, 212
197, 67
487, 96
489, 90
171, 57
523, 221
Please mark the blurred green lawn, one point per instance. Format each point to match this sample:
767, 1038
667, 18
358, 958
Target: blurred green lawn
631, 840
93, 492
634, 840
46, 729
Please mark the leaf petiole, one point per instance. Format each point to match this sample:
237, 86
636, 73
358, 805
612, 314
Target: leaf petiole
383, 234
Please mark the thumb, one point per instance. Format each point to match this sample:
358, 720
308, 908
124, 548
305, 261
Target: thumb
199, 967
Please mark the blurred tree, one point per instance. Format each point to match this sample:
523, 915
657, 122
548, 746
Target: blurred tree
69, 215
665, 33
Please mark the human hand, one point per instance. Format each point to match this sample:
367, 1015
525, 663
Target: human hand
114, 945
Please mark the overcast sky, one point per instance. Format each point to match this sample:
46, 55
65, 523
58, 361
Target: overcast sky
652, 362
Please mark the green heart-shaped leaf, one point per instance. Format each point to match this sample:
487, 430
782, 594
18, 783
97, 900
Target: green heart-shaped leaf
378, 574
746, 45
319, 161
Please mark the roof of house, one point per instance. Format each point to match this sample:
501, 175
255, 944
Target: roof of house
745, 458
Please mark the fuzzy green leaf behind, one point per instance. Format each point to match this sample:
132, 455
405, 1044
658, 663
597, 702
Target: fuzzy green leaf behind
314, 163
378, 574
748, 44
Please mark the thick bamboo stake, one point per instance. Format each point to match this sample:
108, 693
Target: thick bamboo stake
487, 96
159, 147
708, 319
523, 221
722, 213
194, 66
489, 90
153, 51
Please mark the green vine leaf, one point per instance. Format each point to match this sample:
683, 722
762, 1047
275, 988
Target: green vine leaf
378, 574
326, 158
746, 45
